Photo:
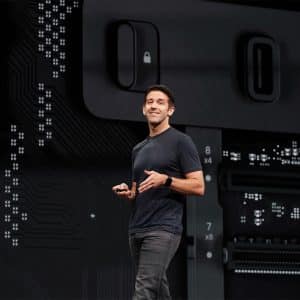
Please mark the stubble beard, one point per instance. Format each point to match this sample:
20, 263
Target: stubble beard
155, 124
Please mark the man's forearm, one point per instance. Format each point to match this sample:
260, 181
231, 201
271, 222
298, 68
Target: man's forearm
193, 184
189, 186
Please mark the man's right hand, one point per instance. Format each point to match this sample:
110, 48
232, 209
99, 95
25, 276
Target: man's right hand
122, 190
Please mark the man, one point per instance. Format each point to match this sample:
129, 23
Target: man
165, 168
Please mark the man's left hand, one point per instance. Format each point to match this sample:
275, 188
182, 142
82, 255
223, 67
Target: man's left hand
154, 180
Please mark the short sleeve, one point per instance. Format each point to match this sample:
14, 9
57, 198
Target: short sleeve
188, 155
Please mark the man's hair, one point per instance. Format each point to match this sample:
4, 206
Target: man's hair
163, 88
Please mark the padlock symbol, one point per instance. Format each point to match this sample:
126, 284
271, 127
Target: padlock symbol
147, 57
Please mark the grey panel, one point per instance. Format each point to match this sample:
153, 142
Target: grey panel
205, 225
201, 58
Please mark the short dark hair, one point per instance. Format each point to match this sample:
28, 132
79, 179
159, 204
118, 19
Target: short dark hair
163, 88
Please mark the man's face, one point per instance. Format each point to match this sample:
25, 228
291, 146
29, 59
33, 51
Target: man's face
156, 108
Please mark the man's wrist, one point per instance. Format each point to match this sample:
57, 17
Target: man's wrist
168, 181
165, 177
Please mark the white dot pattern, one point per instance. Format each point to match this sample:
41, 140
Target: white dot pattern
12, 214
45, 107
52, 17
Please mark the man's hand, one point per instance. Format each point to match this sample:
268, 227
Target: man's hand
122, 190
154, 180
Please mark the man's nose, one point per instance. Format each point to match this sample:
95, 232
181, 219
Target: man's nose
153, 104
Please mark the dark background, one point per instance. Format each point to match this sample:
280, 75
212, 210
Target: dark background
67, 128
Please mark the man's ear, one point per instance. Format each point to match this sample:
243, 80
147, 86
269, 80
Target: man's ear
144, 112
171, 111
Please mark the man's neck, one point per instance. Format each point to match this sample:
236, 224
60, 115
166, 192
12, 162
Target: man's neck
157, 129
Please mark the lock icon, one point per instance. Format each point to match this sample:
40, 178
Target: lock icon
147, 57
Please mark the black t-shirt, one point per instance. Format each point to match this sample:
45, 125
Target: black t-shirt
172, 153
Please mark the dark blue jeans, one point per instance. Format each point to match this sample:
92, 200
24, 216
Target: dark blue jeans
152, 252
